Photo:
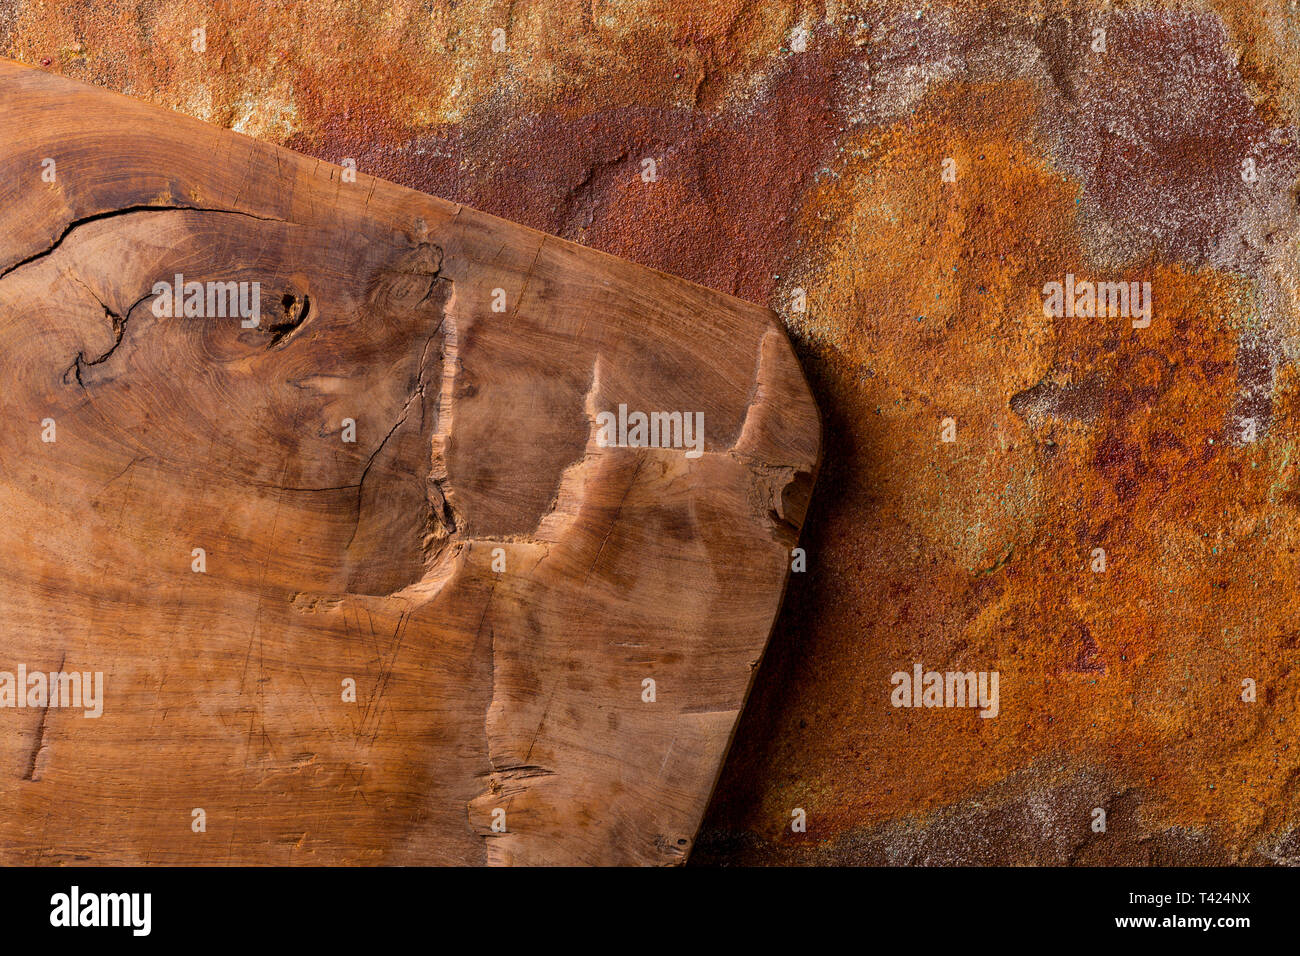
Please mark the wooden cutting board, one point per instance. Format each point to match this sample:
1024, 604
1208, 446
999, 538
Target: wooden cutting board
372, 559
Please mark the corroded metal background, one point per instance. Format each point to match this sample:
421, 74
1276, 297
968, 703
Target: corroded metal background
820, 169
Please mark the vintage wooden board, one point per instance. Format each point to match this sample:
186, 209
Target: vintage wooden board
475, 358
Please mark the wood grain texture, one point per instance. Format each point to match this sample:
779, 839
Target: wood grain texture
477, 689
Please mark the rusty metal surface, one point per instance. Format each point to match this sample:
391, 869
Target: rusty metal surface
801, 147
